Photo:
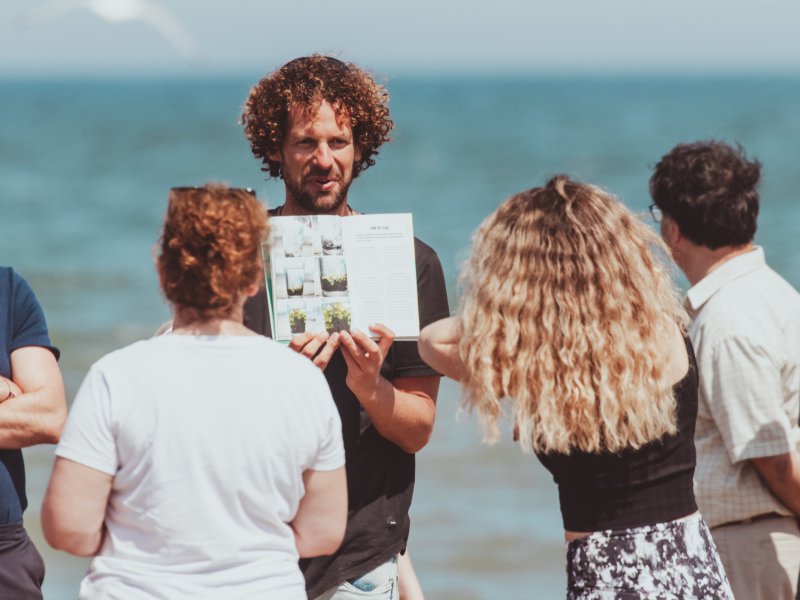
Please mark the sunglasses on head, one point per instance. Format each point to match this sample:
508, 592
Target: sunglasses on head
329, 60
190, 188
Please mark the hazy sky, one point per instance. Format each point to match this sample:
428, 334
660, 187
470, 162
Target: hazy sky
529, 36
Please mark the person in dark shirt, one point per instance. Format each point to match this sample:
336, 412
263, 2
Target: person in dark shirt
32, 411
568, 313
317, 123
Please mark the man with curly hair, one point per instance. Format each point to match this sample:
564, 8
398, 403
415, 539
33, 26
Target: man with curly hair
746, 334
317, 123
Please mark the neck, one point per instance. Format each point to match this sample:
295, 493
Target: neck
701, 261
231, 324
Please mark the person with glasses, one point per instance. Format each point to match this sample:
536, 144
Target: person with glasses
746, 332
656, 213
317, 123
205, 462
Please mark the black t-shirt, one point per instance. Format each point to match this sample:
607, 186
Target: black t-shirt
380, 476
633, 487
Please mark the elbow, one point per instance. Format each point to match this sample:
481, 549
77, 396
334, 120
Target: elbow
60, 536
54, 428
323, 543
75, 545
418, 441
51, 420
52, 425
333, 543
326, 546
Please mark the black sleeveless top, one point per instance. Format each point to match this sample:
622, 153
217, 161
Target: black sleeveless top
632, 488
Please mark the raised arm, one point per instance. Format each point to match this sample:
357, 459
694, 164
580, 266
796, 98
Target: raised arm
36, 412
438, 346
403, 411
74, 507
322, 515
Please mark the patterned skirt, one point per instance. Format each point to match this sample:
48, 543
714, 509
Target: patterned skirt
666, 561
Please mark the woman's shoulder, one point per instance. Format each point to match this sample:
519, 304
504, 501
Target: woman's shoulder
674, 348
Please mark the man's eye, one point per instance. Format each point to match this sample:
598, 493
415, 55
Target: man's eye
339, 143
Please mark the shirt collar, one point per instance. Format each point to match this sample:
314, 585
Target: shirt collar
731, 269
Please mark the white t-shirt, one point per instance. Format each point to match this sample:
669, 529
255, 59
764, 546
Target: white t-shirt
207, 438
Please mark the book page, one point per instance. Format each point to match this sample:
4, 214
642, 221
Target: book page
382, 275
337, 273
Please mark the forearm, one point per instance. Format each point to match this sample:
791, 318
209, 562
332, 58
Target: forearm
74, 506
438, 346
35, 417
321, 518
404, 417
37, 414
77, 543
781, 473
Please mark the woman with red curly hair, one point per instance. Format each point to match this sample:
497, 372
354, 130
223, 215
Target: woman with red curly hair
206, 462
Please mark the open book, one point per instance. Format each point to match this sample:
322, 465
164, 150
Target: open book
339, 273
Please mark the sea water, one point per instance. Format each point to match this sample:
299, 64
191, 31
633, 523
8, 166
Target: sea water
85, 166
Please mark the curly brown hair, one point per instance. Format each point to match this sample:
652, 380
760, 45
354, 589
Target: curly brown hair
210, 249
302, 84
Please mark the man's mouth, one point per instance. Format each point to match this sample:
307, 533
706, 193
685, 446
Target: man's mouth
322, 183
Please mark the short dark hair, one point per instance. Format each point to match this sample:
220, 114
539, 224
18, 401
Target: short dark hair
305, 82
709, 189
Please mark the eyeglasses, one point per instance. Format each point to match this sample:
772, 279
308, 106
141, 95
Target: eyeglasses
191, 188
656, 213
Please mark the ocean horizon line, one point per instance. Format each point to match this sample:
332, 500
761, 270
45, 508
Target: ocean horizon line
411, 74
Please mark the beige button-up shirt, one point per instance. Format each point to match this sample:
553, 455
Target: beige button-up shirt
746, 334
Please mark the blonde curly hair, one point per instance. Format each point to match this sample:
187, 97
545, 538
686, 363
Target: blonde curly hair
565, 299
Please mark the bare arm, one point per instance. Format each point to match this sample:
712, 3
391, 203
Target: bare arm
408, 584
37, 414
321, 518
438, 346
781, 473
403, 411
74, 507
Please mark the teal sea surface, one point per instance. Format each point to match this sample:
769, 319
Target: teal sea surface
85, 167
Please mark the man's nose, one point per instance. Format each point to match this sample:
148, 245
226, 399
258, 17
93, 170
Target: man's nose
323, 156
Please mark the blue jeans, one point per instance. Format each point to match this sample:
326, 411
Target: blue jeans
378, 584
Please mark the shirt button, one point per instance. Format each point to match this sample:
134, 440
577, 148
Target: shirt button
391, 523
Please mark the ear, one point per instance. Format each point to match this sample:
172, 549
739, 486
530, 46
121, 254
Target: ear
251, 290
276, 156
670, 232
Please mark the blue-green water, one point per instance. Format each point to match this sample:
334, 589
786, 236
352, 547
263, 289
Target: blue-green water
85, 167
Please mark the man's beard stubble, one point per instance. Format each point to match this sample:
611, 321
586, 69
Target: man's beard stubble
312, 203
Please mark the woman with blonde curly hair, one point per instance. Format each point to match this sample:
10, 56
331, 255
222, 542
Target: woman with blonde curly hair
570, 317
204, 463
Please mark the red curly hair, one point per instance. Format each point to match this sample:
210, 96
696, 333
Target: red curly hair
210, 249
304, 83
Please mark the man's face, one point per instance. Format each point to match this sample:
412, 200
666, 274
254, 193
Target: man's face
670, 233
317, 160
